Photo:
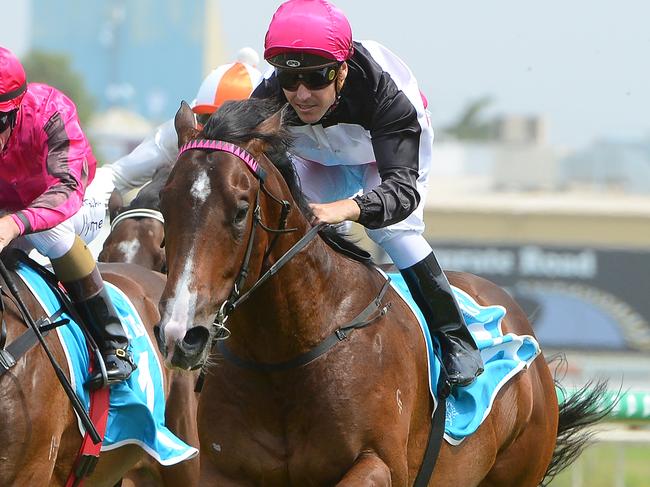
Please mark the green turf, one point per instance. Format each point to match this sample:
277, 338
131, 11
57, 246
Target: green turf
603, 465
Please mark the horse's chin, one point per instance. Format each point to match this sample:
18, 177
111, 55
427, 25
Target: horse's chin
192, 351
181, 359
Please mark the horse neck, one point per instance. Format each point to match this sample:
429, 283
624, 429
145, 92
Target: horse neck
304, 302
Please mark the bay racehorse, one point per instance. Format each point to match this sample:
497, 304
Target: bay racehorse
278, 406
137, 231
39, 431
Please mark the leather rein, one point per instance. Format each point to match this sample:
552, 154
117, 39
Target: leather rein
219, 331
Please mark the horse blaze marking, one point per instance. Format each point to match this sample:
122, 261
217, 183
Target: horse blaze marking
201, 187
398, 396
216, 447
129, 249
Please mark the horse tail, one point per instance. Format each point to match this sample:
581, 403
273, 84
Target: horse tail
578, 411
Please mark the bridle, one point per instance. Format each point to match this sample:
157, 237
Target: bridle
236, 298
370, 314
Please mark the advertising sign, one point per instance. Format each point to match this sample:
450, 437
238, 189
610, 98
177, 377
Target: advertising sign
575, 297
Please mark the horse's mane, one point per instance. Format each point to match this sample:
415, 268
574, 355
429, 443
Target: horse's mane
236, 122
149, 196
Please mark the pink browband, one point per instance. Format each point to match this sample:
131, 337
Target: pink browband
220, 145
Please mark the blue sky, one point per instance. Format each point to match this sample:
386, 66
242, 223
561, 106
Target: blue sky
580, 63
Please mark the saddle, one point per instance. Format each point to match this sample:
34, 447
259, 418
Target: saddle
10, 354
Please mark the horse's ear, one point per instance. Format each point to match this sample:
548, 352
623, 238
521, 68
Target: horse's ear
272, 124
115, 204
185, 124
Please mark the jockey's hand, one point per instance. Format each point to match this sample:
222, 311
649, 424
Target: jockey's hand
335, 212
8, 231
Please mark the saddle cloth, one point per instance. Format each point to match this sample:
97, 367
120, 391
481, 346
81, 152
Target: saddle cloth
137, 406
503, 356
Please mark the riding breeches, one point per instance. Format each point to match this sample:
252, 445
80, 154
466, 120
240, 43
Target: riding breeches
57, 241
402, 241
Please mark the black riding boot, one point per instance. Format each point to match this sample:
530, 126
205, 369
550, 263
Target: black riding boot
104, 325
432, 293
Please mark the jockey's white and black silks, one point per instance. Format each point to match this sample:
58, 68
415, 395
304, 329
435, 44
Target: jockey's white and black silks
380, 119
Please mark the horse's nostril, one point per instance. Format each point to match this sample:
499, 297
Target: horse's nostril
196, 338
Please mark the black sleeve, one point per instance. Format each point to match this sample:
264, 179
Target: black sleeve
395, 136
392, 201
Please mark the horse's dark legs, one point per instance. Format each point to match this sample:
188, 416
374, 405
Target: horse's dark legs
368, 470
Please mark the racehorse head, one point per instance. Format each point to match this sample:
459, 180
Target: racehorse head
137, 229
224, 205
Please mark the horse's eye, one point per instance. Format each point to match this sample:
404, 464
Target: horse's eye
242, 211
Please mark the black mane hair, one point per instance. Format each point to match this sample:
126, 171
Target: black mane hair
236, 122
149, 195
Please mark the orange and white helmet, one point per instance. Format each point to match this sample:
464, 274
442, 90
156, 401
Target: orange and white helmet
233, 81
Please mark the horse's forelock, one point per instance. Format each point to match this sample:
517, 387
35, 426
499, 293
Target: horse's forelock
237, 122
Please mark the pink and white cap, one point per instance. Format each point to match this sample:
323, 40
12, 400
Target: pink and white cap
311, 27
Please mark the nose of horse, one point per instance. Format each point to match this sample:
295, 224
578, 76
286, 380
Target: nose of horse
189, 353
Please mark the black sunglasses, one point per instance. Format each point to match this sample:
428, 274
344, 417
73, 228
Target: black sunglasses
314, 79
7, 119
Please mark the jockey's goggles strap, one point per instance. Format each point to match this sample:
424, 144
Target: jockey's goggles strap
220, 145
10, 95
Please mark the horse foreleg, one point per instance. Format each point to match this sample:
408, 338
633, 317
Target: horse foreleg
368, 470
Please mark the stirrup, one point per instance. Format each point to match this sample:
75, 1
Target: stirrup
461, 363
459, 380
118, 365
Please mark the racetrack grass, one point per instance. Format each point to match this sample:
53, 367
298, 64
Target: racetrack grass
608, 465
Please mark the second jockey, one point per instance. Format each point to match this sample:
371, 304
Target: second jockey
46, 202
232, 81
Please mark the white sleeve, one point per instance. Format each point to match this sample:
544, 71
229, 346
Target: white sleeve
137, 168
103, 183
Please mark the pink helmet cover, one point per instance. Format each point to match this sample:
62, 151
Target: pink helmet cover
12, 81
309, 26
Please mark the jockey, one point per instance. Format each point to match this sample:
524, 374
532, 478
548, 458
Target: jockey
233, 81
362, 151
46, 165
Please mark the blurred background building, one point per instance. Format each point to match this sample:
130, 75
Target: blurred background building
142, 55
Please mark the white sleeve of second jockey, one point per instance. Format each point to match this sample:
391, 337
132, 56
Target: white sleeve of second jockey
135, 169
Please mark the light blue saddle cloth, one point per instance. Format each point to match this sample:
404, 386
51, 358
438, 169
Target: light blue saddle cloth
503, 356
137, 406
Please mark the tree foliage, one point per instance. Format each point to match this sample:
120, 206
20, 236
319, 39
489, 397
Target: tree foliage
471, 123
55, 70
